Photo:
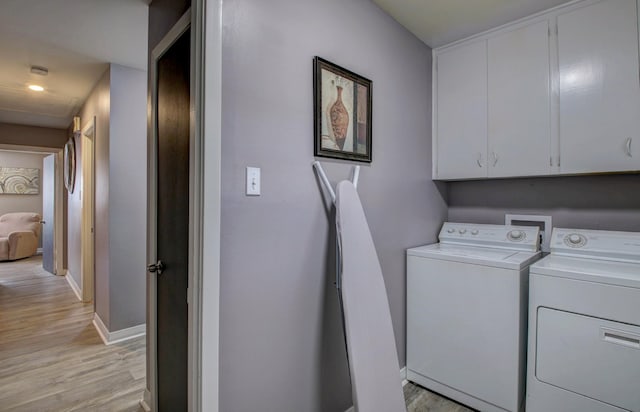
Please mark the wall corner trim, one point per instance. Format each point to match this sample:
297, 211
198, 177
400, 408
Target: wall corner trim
109, 338
74, 285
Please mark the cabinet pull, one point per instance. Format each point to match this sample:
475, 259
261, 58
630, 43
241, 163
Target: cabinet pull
495, 158
628, 147
479, 159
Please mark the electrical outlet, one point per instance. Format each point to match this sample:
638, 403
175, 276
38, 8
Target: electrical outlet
543, 222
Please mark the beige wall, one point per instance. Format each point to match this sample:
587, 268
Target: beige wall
21, 203
15, 134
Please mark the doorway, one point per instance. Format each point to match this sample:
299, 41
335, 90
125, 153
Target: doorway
87, 194
169, 217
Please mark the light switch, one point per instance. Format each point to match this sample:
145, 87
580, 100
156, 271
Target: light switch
253, 181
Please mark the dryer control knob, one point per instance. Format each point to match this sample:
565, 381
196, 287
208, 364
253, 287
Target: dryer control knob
575, 240
450, 230
475, 232
462, 231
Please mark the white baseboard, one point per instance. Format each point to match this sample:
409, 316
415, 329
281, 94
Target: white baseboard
74, 285
109, 338
403, 376
145, 402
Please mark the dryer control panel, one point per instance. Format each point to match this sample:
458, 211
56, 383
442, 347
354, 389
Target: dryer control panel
524, 238
596, 244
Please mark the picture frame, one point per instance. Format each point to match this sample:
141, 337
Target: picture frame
342, 109
70, 164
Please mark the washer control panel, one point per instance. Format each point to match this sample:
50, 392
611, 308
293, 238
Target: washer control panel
508, 237
601, 244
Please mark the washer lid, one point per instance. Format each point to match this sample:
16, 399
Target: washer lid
485, 256
592, 270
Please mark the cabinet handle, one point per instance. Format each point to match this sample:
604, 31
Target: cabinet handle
479, 159
495, 158
628, 147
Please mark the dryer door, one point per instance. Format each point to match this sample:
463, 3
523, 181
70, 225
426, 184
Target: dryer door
592, 357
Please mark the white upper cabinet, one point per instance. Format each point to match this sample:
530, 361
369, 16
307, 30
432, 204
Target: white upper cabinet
519, 102
599, 88
555, 93
460, 112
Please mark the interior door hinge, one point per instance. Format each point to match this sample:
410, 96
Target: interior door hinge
188, 296
550, 160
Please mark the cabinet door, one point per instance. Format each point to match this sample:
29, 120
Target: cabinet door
599, 88
461, 112
519, 102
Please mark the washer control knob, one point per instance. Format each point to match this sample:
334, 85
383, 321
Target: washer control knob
475, 232
462, 231
575, 239
450, 230
516, 235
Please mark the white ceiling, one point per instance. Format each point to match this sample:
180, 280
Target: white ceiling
439, 22
75, 40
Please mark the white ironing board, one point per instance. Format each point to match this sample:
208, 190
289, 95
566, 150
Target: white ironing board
371, 347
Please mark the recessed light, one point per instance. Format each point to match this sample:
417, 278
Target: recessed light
36, 88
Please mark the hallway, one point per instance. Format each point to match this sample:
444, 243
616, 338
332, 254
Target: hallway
51, 357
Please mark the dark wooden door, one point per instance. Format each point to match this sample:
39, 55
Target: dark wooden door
173, 70
48, 215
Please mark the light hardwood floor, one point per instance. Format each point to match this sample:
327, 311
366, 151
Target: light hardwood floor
51, 357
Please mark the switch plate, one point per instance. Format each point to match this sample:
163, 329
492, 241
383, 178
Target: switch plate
253, 181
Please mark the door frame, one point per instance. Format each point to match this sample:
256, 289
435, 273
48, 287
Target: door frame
204, 19
87, 199
150, 400
58, 202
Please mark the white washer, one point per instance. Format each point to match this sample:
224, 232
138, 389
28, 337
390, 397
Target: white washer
584, 324
467, 314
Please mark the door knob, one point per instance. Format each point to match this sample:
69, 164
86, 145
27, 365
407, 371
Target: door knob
156, 267
42, 222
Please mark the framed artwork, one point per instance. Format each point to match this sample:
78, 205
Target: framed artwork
70, 164
19, 181
342, 113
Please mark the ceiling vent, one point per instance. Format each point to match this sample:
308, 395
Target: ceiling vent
39, 70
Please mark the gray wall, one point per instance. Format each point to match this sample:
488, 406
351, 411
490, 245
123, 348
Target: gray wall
15, 134
21, 203
282, 347
127, 197
118, 103
97, 104
610, 202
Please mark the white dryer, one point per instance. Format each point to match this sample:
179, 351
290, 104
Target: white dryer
467, 314
584, 324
